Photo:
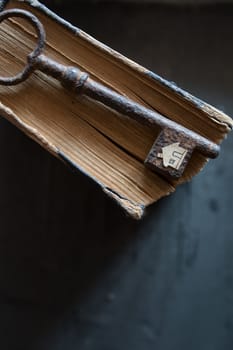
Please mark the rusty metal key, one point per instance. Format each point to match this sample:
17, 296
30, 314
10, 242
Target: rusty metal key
175, 144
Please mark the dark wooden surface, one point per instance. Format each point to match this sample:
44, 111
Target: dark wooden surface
75, 273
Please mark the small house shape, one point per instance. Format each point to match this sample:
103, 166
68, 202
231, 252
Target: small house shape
173, 155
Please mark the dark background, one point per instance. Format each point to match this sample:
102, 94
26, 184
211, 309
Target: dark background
75, 272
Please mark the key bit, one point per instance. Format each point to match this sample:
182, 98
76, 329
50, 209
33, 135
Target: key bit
171, 152
174, 145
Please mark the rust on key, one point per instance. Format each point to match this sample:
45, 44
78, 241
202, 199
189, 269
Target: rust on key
175, 144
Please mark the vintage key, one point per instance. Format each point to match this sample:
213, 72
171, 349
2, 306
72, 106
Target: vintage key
175, 144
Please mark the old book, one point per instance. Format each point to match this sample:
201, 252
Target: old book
107, 146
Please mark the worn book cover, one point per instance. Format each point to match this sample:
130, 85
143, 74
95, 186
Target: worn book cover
88, 136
